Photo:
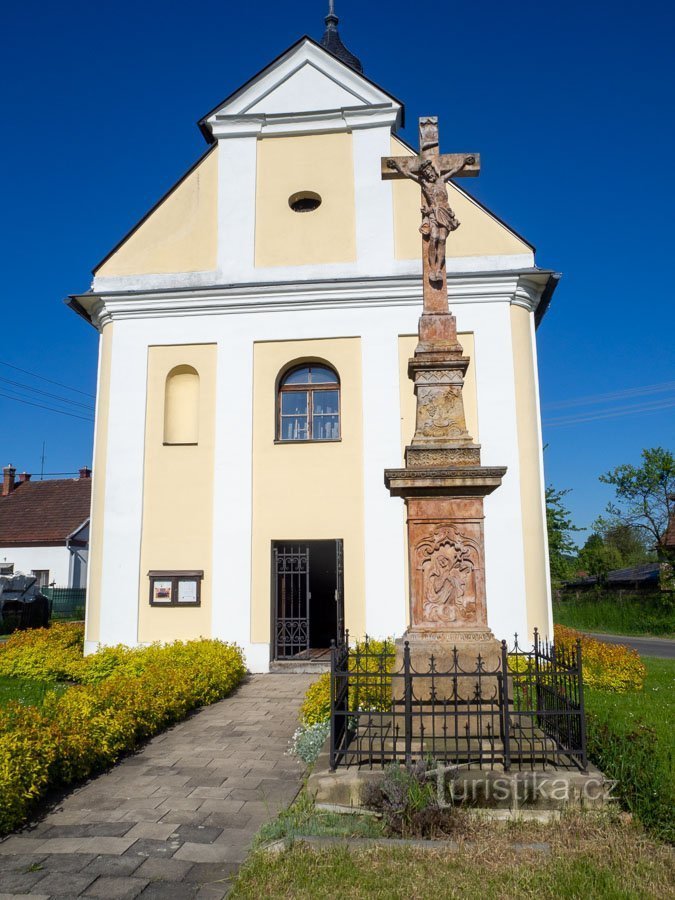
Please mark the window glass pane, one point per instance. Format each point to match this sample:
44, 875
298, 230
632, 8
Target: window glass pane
325, 402
326, 428
321, 375
294, 428
294, 403
299, 376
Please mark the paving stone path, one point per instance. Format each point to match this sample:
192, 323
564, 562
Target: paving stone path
176, 819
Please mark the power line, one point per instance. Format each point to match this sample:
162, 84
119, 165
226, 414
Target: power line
42, 378
614, 395
50, 408
47, 394
652, 406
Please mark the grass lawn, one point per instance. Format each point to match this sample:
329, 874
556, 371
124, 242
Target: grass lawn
26, 691
654, 705
632, 739
585, 857
611, 614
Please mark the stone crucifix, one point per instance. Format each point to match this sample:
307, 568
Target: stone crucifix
432, 170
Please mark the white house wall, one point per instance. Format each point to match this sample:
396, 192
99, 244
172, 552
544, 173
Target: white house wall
29, 559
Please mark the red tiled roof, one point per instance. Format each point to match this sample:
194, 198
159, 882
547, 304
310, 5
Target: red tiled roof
44, 511
669, 537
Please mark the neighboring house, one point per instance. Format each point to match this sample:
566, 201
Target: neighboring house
669, 537
44, 528
634, 578
255, 331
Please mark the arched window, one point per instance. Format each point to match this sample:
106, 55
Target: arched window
181, 406
309, 404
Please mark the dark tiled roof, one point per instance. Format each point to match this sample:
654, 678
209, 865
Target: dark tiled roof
44, 511
332, 42
644, 574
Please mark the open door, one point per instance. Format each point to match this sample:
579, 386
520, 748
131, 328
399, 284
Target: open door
307, 597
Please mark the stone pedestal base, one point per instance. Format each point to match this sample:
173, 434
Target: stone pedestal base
460, 701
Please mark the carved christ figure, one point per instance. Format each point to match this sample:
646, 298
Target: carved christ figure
438, 219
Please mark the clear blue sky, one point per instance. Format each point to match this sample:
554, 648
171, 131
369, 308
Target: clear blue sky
570, 105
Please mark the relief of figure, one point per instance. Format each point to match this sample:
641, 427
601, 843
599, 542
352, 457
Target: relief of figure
440, 413
449, 589
438, 219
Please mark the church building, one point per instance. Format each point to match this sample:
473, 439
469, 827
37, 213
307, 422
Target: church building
255, 329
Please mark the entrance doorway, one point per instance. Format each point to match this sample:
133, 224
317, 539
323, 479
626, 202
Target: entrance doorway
307, 597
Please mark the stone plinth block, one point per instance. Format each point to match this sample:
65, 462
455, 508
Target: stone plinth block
465, 665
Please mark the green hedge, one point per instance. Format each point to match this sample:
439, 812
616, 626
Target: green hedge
127, 696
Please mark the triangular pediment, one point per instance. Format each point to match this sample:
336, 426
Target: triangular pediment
305, 81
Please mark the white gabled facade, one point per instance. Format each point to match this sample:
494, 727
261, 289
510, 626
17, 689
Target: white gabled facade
215, 280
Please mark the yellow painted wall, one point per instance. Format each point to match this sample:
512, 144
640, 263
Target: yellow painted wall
307, 491
93, 616
180, 235
181, 406
177, 528
321, 163
406, 349
479, 234
531, 487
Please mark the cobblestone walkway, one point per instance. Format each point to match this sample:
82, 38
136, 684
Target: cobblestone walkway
176, 819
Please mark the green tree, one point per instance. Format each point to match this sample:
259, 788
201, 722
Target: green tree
561, 547
644, 496
598, 557
633, 544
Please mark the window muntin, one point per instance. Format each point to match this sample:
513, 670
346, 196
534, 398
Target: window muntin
41, 577
309, 405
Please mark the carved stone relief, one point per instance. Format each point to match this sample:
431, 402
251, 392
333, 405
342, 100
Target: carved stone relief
419, 457
441, 376
440, 412
447, 561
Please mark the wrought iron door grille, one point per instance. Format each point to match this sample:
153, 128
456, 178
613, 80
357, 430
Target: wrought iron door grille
291, 581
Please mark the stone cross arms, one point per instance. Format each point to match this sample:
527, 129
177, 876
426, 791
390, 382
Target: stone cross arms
432, 170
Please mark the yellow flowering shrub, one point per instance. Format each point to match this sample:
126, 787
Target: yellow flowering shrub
372, 690
607, 667
45, 654
316, 705
126, 696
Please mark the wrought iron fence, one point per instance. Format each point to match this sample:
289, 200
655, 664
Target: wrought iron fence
66, 603
518, 708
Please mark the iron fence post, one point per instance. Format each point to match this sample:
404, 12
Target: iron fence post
407, 697
505, 707
582, 711
332, 755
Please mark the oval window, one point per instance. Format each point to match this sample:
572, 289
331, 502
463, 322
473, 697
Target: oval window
304, 201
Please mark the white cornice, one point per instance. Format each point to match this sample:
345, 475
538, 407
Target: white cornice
515, 288
347, 118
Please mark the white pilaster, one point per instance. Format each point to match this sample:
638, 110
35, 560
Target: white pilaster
124, 486
373, 199
232, 501
237, 158
384, 522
